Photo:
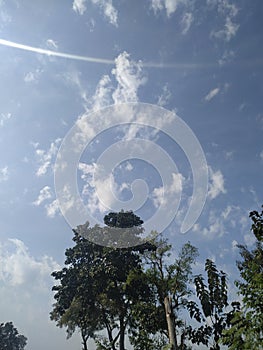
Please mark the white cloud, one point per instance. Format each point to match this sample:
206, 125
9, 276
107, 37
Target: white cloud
165, 194
170, 6
79, 6
52, 208
128, 166
216, 185
106, 6
108, 9
228, 32
165, 96
227, 57
4, 174
19, 267
186, 22
44, 194
97, 191
129, 77
228, 11
45, 158
52, 44
102, 96
212, 94
33, 76
261, 155
4, 117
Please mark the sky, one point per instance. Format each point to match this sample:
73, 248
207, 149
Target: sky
125, 80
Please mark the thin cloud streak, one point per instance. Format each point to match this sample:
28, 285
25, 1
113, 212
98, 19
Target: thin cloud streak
101, 60
54, 53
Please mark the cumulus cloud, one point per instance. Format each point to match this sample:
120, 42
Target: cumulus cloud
211, 94
52, 209
216, 185
121, 86
129, 77
98, 192
164, 194
45, 158
4, 174
18, 267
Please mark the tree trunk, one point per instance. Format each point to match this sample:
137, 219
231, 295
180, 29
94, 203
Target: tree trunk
84, 340
170, 322
122, 333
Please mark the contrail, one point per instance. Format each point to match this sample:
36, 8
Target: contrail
101, 60
54, 53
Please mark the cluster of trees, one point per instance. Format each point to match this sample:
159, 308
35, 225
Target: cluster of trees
146, 295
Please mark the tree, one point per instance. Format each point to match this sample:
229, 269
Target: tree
213, 314
159, 321
10, 339
100, 285
246, 325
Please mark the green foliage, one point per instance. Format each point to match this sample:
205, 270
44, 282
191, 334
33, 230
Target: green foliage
214, 301
100, 285
10, 339
165, 278
246, 331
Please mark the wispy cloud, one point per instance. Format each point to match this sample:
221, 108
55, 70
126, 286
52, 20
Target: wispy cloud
170, 6
44, 194
164, 97
106, 6
52, 44
186, 22
4, 117
33, 76
4, 174
52, 209
45, 158
211, 94
79, 6
228, 11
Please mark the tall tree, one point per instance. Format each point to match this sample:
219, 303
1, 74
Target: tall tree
160, 322
246, 331
99, 285
10, 339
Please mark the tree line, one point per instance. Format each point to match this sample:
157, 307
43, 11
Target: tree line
146, 295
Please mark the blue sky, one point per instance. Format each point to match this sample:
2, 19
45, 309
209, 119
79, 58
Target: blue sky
199, 59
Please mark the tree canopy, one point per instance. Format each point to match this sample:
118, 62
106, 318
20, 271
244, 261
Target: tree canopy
10, 339
246, 331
